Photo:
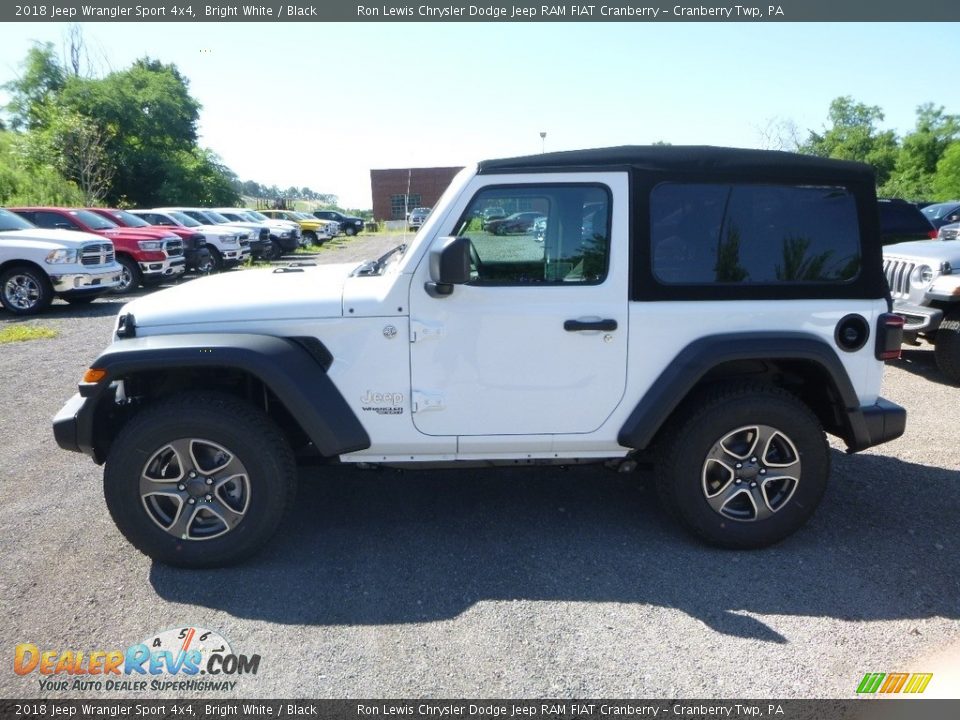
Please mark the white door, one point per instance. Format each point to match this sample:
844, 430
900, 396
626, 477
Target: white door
536, 343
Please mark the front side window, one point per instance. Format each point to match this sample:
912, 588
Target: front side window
753, 234
539, 234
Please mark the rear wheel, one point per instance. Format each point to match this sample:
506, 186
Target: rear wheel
743, 466
199, 480
24, 290
947, 346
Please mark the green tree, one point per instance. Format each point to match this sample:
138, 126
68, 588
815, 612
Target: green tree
40, 81
920, 151
946, 181
853, 134
25, 182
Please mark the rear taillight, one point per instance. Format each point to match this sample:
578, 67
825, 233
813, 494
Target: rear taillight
889, 336
932, 233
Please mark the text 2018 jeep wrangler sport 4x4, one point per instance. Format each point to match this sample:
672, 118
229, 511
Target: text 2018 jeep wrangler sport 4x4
719, 308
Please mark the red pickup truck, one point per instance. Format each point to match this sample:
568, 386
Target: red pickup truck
148, 256
194, 244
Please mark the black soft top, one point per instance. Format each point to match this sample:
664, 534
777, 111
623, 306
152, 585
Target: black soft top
693, 159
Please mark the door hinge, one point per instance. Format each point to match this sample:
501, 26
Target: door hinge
424, 331
423, 401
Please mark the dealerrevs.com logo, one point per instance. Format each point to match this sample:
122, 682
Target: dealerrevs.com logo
186, 658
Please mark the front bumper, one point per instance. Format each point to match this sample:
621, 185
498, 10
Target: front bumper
72, 282
875, 424
157, 271
918, 318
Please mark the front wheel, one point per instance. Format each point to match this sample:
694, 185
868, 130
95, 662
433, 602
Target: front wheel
199, 480
25, 290
130, 276
350, 231
216, 259
947, 346
743, 466
311, 238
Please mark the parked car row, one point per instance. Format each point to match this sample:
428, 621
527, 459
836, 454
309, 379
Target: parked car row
79, 254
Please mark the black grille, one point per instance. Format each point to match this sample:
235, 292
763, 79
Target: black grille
97, 254
174, 248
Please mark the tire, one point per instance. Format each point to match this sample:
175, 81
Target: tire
311, 237
946, 346
350, 230
233, 447
697, 456
130, 278
216, 259
273, 251
206, 264
25, 290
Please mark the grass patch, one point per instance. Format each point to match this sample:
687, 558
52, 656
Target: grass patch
22, 333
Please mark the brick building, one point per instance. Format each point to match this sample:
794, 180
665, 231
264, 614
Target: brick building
391, 197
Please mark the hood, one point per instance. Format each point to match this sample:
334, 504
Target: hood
933, 252
127, 233
246, 295
49, 239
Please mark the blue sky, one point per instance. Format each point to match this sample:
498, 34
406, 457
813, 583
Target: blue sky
320, 104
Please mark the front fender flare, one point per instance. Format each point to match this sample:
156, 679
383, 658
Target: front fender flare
294, 369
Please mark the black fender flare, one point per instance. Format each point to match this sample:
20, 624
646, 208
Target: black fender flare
294, 369
694, 361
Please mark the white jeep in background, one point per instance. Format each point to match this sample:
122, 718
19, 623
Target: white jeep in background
924, 279
37, 264
716, 311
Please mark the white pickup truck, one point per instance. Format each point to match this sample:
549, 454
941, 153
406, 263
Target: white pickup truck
37, 264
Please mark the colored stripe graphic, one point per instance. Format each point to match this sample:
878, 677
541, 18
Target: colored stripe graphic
871, 682
918, 682
895, 682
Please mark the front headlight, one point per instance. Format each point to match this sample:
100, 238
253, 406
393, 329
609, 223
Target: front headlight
230, 240
150, 244
286, 233
57, 257
921, 276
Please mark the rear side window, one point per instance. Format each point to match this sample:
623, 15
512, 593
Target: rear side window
902, 218
753, 234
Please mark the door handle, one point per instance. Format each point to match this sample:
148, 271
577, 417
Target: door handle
608, 325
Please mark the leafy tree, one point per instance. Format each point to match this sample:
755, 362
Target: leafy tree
196, 177
40, 81
946, 181
24, 182
853, 134
920, 151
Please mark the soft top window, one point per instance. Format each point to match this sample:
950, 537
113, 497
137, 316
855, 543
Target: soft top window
753, 234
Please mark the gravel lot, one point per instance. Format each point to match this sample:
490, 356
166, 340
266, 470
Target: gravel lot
508, 583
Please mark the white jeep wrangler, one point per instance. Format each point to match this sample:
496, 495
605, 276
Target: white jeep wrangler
718, 308
37, 264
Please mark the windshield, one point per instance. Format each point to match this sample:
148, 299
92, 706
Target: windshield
250, 217
129, 218
11, 221
935, 212
92, 220
216, 217
303, 216
184, 219
257, 216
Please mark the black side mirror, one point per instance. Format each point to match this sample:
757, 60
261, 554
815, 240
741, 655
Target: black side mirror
449, 266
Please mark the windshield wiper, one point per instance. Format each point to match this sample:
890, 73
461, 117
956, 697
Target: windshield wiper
374, 267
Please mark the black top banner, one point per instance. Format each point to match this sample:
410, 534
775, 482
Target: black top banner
481, 11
